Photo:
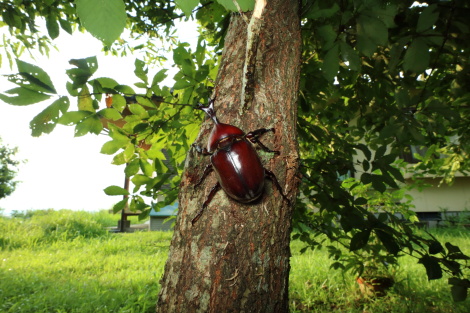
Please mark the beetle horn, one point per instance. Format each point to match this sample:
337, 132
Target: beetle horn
209, 110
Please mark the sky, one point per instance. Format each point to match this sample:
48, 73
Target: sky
63, 171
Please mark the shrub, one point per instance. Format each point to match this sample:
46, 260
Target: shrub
30, 228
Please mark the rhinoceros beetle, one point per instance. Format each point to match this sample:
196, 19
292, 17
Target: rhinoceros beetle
235, 161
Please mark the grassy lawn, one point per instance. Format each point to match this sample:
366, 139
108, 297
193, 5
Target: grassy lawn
65, 262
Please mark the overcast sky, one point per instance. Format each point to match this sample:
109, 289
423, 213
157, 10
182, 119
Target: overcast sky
63, 171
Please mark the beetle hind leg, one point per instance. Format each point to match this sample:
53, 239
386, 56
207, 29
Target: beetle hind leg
211, 195
273, 178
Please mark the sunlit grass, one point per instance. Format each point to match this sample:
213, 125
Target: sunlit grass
67, 262
119, 273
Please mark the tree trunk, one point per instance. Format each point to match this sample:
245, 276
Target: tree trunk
235, 258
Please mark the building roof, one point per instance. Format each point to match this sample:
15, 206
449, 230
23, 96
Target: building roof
166, 211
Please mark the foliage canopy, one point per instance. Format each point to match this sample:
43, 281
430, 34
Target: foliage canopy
378, 78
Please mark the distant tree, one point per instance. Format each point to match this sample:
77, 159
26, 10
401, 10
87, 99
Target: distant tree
8, 170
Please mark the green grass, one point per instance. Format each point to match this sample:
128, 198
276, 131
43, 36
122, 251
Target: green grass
316, 288
65, 261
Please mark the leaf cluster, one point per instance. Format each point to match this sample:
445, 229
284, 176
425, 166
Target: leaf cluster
378, 78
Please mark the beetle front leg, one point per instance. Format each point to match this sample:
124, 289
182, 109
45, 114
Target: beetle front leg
253, 137
211, 195
273, 178
200, 150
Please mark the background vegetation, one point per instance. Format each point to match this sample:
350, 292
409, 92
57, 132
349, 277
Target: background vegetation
64, 261
378, 77
8, 170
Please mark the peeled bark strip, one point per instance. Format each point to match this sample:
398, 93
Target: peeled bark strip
236, 257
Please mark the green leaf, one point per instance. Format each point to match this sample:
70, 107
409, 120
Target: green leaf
187, 6
396, 173
373, 28
433, 269
91, 124
110, 114
36, 76
125, 89
360, 201
387, 179
159, 77
119, 102
317, 12
145, 101
378, 183
245, 5
45, 122
73, 117
156, 153
365, 165
380, 152
365, 149
366, 45
146, 168
371, 32
104, 19
417, 56
159, 181
138, 110
328, 34
132, 168
85, 103
389, 242
366, 178
106, 82
330, 65
351, 56
112, 146
359, 240
66, 26
427, 18
121, 205
52, 26
119, 159
182, 84
23, 96
140, 70
139, 180
85, 69
116, 191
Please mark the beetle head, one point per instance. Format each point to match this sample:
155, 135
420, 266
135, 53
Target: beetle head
209, 110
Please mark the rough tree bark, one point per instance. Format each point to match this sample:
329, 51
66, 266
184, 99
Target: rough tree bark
236, 257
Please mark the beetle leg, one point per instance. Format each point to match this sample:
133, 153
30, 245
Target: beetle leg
207, 171
273, 178
211, 195
253, 137
200, 150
